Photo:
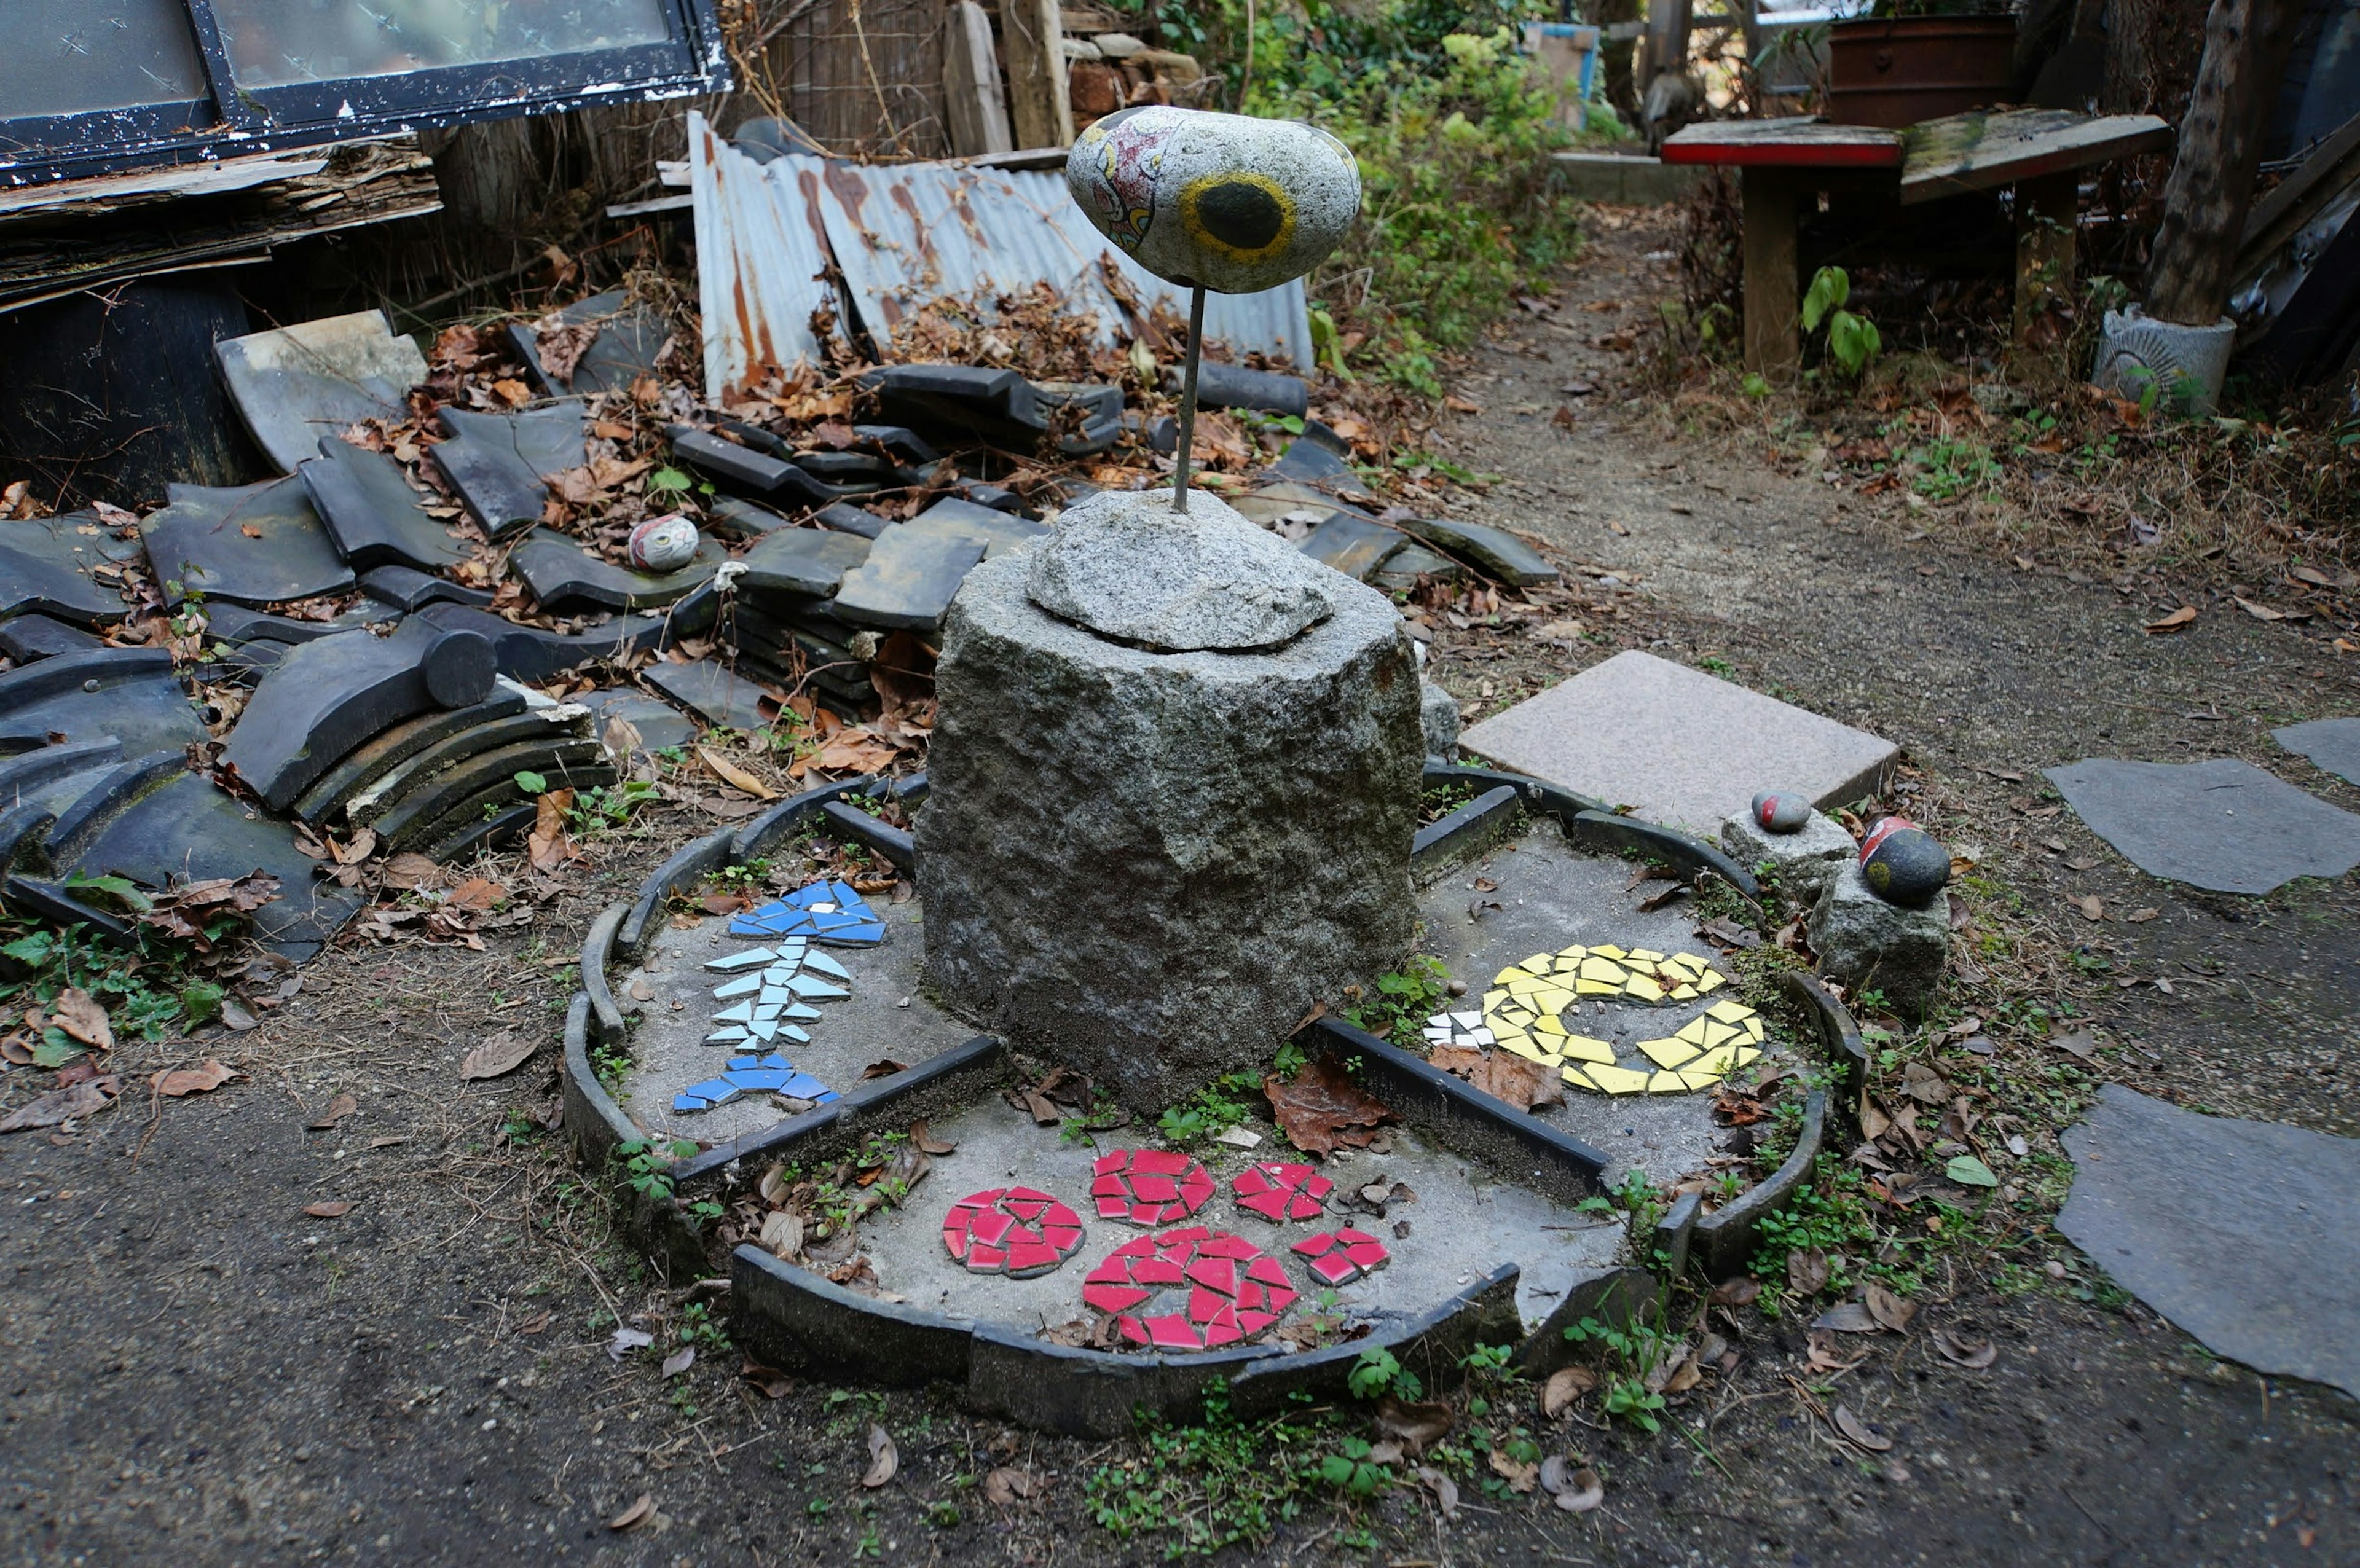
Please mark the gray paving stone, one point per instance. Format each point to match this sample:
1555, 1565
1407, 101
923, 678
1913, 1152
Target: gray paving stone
47, 568
2331, 745
294, 385
563, 576
809, 562
200, 543
1681, 748
498, 464
908, 578
2244, 1234
374, 517
2222, 824
129, 693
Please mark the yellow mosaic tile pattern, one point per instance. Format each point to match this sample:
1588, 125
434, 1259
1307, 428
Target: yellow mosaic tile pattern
1521, 1013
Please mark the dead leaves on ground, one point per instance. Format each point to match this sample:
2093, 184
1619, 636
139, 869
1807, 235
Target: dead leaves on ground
1321, 1109
884, 1459
502, 1053
76, 1102
181, 1082
1511, 1080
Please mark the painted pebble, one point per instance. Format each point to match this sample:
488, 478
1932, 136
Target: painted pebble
1781, 811
663, 544
1228, 202
1902, 862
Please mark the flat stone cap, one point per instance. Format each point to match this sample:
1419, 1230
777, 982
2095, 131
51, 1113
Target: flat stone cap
1123, 564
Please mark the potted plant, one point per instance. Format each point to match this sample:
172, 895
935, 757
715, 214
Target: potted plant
1908, 61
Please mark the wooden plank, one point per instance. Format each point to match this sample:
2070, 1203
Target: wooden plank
2277, 217
1773, 289
1981, 152
976, 105
116, 191
1795, 141
1033, 43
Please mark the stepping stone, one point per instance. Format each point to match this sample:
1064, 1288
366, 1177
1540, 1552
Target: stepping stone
47, 566
1353, 546
532, 654
809, 562
661, 726
26, 638
2244, 1234
294, 385
1492, 551
631, 339
705, 688
188, 830
372, 759
1684, 750
371, 512
327, 697
2331, 745
499, 463
129, 693
407, 589
907, 579
2221, 824
563, 575
255, 544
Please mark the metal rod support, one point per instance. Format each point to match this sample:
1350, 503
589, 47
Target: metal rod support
1188, 401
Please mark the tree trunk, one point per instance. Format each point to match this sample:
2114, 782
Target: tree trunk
2211, 184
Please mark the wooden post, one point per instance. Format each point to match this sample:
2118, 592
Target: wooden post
2211, 185
1032, 37
1774, 290
977, 108
2047, 211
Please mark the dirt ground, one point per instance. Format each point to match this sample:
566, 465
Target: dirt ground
199, 1372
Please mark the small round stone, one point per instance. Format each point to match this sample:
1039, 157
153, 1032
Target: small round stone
1459, 987
1902, 862
663, 544
1781, 811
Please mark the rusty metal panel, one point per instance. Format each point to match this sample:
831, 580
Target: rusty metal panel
760, 257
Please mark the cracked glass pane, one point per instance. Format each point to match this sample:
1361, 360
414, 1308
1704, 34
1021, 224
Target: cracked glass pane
72, 57
275, 42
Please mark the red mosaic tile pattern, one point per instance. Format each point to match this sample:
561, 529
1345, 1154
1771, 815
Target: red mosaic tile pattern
1277, 1191
1339, 1257
1149, 1186
1235, 1291
1017, 1231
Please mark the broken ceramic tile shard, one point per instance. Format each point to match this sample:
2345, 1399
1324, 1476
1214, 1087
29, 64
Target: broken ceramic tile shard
831, 912
256, 544
1148, 1186
1339, 1257
770, 1074
721, 698
63, 567
564, 575
329, 696
909, 576
499, 464
293, 385
129, 694
1280, 1191
1020, 1232
619, 342
372, 514
1214, 1288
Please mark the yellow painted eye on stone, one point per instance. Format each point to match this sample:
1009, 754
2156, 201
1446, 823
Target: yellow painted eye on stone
1245, 215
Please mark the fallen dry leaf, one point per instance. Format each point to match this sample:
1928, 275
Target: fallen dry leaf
883, 1458
736, 778
1807, 1270
548, 844
2140, 917
2092, 907
1511, 1080
182, 1081
1965, 1353
1520, 1477
504, 1052
927, 1143
1739, 1291
1413, 1426
1856, 1429
1445, 1489
78, 1013
772, 1383
1848, 1317
1005, 1488
680, 1361
2172, 622
60, 1106
328, 1209
782, 1234
338, 1109
638, 1514
1321, 1108
1565, 1385
1889, 1309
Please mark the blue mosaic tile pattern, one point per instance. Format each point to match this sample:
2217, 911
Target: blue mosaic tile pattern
824, 911
771, 1074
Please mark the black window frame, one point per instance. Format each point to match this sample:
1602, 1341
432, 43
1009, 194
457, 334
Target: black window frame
237, 120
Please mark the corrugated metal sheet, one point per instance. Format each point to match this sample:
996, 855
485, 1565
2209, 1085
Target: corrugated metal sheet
759, 259
904, 235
